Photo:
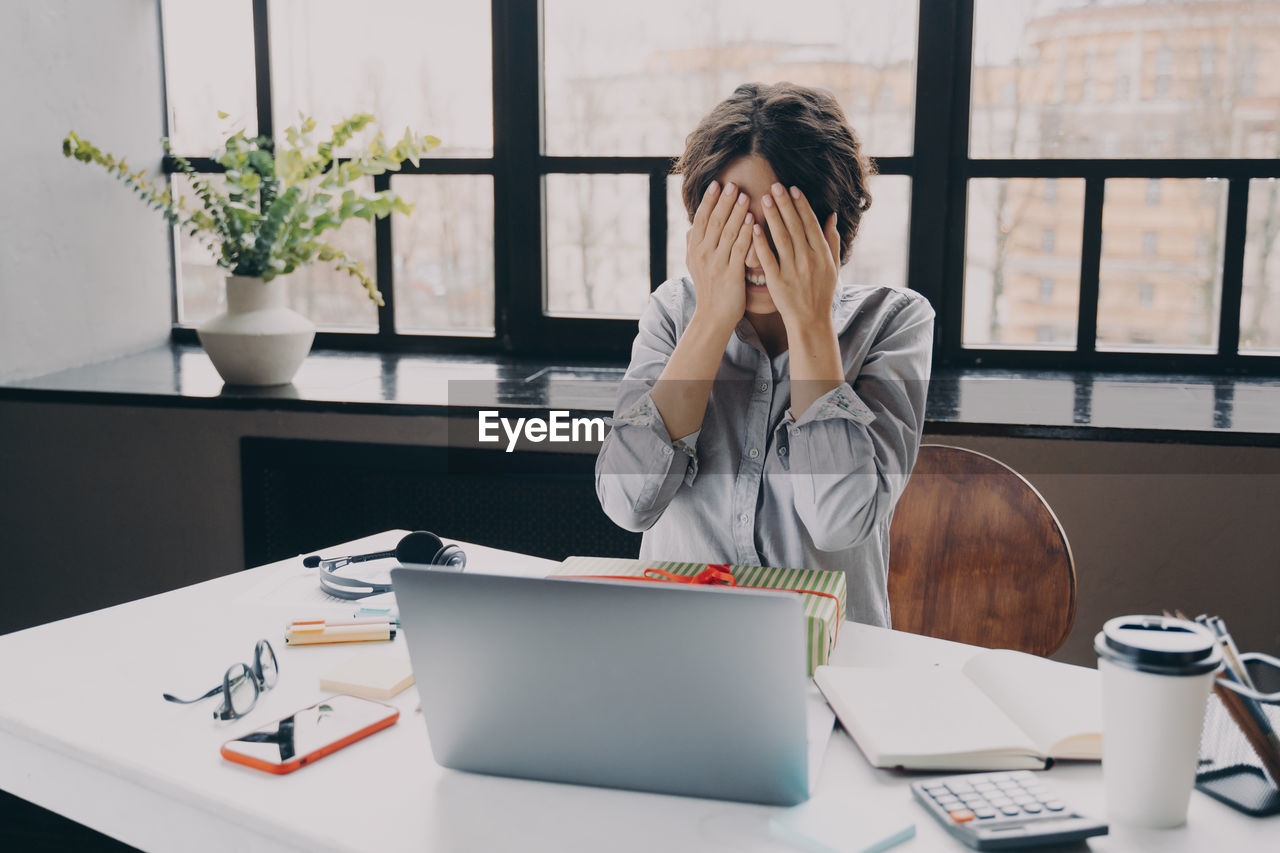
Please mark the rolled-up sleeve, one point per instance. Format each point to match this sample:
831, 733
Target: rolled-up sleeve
639, 468
851, 452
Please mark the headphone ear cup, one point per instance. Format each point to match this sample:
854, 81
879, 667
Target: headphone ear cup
419, 548
450, 555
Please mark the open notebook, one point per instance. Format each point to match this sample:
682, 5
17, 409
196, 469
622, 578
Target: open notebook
1002, 710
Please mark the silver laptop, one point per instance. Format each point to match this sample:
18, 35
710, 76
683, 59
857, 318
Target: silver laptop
693, 691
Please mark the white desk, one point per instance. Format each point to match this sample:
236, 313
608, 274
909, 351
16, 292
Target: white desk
84, 732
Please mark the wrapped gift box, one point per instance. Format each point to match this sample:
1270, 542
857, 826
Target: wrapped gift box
823, 593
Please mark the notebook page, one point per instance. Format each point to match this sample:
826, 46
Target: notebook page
921, 717
1053, 702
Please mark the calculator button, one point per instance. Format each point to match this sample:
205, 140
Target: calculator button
1006, 784
1000, 802
961, 815
933, 786
960, 787
1010, 810
984, 813
970, 799
984, 786
1055, 805
1032, 808
950, 803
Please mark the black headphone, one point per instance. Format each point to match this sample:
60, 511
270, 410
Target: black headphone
416, 548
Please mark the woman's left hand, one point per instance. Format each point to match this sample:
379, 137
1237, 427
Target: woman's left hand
802, 276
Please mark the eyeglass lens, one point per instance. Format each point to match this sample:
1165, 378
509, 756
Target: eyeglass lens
241, 691
265, 666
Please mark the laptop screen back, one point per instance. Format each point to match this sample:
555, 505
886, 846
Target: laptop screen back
694, 691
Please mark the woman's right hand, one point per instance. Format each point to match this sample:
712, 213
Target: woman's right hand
717, 245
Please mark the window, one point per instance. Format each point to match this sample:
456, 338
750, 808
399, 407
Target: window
1092, 157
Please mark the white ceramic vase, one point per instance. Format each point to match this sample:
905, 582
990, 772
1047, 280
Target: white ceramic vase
258, 340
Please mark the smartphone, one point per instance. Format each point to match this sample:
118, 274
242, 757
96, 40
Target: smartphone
308, 735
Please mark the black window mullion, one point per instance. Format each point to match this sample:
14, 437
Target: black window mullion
1233, 268
383, 261
262, 67
517, 184
1090, 265
938, 155
657, 229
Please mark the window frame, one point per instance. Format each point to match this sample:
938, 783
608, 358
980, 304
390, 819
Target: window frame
940, 168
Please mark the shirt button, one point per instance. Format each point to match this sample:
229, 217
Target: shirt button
794, 430
782, 451
742, 519
753, 453
764, 386
667, 451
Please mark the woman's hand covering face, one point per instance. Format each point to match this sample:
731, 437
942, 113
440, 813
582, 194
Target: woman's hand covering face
717, 245
802, 275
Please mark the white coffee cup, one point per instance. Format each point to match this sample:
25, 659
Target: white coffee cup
1156, 675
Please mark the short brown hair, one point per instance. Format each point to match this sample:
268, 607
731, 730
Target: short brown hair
805, 138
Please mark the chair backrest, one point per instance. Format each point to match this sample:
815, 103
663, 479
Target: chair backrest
976, 555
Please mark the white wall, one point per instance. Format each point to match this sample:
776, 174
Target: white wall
84, 265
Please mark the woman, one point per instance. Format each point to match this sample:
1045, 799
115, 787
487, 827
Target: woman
770, 417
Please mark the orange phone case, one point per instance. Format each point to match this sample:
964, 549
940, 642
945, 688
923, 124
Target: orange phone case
312, 757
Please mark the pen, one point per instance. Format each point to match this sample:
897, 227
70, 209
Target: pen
344, 620
1268, 749
302, 634
1229, 650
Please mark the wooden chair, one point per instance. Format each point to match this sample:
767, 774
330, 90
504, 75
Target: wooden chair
976, 555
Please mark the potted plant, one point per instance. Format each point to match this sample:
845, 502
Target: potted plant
276, 202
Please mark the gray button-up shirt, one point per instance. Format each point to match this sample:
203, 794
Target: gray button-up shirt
757, 485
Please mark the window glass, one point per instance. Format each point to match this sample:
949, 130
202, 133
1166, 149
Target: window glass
334, 299
199, 278
208, 67
879, 253
443, 265
597, 245
1260, 301
424, 64
1020, 234
1155, 290
635, 79
1164, 78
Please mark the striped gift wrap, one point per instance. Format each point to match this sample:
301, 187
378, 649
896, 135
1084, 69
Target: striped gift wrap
822, 613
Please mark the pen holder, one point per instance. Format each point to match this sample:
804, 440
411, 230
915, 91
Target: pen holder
1239, 762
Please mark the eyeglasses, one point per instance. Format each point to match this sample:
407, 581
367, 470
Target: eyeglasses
241, 684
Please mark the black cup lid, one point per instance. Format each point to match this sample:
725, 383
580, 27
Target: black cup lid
1158, 644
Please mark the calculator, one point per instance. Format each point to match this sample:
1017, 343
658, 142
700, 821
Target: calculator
1000, 811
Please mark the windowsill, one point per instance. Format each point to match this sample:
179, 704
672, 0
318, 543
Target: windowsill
1031, 404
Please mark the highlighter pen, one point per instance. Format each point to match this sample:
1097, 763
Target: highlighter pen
311, 634
390, 614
